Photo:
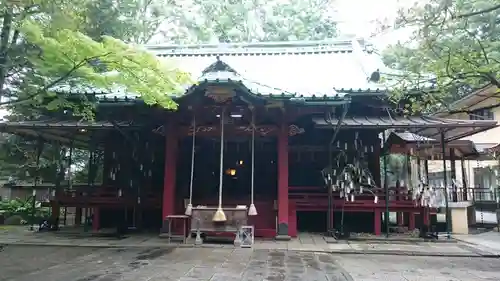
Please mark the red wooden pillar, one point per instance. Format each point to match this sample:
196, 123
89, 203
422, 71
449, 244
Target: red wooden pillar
168, 203
411, 221
400, 218
282, 231
425, 216
55, 212
78, 216
377, 221
96, 222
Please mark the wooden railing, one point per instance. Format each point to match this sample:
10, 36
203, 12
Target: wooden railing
105, 197
399, 199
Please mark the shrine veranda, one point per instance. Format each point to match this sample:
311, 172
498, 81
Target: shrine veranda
302, 126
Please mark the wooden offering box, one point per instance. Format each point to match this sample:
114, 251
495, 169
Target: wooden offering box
202, 219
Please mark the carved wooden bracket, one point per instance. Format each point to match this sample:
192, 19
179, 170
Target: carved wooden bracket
220, 94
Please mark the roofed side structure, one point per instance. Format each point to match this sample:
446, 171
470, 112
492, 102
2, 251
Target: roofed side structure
425, 126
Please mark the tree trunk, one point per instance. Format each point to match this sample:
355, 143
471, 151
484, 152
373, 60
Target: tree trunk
4, 47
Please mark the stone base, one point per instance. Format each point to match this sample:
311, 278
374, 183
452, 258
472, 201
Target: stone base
165, 226
459, 217
164, 235
283, 238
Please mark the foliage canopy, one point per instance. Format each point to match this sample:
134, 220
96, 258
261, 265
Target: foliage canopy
455, 48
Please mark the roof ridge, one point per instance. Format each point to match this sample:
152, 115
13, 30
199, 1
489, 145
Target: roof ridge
259, 48
303, 43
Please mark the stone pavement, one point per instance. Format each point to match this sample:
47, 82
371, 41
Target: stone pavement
154, 264
27, 263
394, 268
304, 243
486, 242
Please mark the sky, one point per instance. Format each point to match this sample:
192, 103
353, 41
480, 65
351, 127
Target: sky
359, 17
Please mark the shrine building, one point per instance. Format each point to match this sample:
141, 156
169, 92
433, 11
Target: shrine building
267, 128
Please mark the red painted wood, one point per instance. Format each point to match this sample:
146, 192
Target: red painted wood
425, 216
283, 174
411, 221
78, 216
377, 221
171, 145
400, 219
96, 219
308, 188
292, 220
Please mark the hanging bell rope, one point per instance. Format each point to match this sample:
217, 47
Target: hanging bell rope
219, 215
252, 211
189, 207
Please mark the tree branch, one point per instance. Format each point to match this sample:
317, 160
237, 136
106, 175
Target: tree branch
487, 10
53, 83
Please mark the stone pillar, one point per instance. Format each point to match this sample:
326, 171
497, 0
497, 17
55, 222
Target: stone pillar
282, 231
171, 145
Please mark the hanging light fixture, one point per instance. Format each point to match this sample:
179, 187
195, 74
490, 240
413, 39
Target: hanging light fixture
189, 207
219, 215
252, 211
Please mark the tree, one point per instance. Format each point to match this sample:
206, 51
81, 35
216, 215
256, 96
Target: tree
455, 48
133, 21
396, 167
38, 51
45, 43
209, 21
87, 34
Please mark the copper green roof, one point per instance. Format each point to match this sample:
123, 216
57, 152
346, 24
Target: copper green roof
300, 71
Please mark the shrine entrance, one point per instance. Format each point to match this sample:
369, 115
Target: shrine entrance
312, 221
237, 170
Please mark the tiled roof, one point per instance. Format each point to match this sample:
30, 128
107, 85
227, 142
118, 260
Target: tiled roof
305, 70
299, 68
58, 130
64, 124
426, 126
411, 137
